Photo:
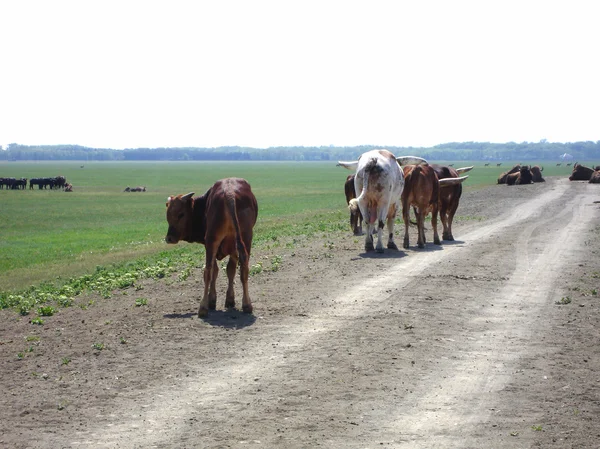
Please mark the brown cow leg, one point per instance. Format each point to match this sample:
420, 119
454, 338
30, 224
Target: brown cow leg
244, 271
434, 225
421, 229
210, 296
406, 218
231, 267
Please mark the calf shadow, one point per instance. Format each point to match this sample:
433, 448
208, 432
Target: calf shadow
229, 318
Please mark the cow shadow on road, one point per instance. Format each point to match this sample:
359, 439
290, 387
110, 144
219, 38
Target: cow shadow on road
399, 254
230, 318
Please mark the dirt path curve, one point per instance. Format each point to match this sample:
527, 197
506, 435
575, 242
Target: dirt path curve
450, 346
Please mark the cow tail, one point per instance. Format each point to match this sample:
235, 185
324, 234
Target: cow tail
241, 247
370, 165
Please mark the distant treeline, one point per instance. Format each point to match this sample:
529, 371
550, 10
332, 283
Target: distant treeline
468, 151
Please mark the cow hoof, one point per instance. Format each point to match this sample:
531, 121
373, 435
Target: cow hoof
380, 250
247, 309
437, 242
392, 245
230, 304
421, 245
369, 247
202, 312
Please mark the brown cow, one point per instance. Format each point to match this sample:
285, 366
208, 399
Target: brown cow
581, 173
222, 219
536, 174
503, 178
449, 197
421, 190
595, 179
355, 215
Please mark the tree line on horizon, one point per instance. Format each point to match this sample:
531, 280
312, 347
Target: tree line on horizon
467, 151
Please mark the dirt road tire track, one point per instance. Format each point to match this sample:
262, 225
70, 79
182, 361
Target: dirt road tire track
454, 346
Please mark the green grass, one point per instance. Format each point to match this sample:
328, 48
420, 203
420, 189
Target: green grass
54, 234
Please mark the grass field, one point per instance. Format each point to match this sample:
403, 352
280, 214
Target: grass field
45, 234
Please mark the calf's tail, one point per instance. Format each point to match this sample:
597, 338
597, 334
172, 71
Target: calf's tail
241, 246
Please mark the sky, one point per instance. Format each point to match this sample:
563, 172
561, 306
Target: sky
259, 73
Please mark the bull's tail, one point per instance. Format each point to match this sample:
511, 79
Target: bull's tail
243, 255
371, 165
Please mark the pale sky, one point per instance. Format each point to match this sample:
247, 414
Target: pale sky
257, 73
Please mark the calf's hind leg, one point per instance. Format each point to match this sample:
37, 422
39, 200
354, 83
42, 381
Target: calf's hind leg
231, 268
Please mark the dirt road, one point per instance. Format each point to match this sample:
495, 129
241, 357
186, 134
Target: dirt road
488, 341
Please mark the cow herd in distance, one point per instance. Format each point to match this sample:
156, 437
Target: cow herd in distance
526, 174
56, 182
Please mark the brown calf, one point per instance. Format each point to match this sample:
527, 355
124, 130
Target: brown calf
223, 220
355, 215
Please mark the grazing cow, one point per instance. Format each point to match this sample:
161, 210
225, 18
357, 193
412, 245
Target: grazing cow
355, 215
595, 179
487, 165
559, 164
380, 181
449, 197
581, 173
422, 192
68, 187
536, 174
222, 220
498, 165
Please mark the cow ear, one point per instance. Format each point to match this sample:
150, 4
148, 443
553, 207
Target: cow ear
187, 196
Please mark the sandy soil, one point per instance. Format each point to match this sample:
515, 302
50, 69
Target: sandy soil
464, 345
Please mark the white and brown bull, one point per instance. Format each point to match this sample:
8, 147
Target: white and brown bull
380, 181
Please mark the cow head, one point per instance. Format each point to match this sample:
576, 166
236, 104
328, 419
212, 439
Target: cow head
180, 217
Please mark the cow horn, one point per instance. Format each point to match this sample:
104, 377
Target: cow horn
452, 181
464, 169
411, 160
187, 196
349, 165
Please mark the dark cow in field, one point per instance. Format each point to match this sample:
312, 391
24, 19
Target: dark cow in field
502, 179
222, 220
581, 173
449, 197
536, 174
380, 181
595, 179
355, 215
422, 191
523, 176
135, 189
8, 182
